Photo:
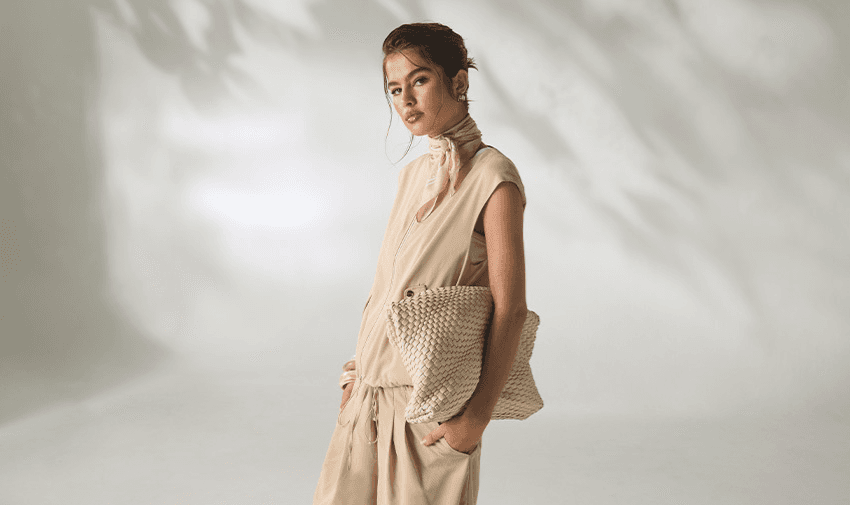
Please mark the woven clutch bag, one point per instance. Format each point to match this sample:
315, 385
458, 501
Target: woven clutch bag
440, 334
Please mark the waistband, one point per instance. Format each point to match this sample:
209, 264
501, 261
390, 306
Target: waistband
360, 392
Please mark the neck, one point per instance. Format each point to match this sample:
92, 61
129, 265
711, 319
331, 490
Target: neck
463, 139
452, 123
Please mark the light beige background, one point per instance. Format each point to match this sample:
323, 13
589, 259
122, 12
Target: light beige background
193, 194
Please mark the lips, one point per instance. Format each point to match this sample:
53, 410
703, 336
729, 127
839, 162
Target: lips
412, 117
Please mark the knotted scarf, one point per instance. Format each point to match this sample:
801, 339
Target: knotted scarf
449, 152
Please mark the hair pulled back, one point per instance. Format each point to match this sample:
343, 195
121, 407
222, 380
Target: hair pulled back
437, 44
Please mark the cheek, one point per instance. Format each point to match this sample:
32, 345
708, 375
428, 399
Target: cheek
396, 103
431, 99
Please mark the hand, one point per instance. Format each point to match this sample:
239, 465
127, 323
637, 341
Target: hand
462, 432
346, 394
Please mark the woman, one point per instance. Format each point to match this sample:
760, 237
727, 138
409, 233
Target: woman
457, 219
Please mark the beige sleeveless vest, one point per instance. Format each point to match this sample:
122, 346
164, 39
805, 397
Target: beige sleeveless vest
429, 254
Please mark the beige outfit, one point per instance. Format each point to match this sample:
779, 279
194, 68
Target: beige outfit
375, 456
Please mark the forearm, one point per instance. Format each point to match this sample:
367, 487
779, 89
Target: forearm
500, 350
502, 218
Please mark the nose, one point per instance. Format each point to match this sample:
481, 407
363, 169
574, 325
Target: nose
407, 96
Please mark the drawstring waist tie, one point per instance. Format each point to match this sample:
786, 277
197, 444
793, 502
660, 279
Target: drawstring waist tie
356, 401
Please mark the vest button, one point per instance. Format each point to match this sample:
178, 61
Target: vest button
409, 293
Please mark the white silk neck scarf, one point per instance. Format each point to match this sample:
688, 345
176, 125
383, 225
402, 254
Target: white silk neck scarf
449, 152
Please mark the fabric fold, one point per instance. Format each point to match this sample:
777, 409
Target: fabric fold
449, 151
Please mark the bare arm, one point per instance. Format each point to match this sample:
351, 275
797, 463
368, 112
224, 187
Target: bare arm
502, 216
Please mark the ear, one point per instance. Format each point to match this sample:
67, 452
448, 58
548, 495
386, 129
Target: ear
460, 82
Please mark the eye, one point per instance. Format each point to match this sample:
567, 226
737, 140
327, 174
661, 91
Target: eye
418, 82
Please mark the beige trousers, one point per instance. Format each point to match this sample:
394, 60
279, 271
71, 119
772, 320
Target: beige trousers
376, 457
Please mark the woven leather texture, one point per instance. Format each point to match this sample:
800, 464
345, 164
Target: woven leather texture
440, 335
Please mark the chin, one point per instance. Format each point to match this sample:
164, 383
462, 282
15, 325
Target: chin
416, 130
419, 128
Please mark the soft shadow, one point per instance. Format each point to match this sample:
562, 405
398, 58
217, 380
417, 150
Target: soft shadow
62, 337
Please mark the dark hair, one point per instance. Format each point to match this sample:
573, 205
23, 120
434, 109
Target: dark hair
438, 44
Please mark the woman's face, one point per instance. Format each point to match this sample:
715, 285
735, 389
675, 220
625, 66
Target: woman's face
420, 95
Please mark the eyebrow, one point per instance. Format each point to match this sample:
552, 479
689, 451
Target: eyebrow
417, 69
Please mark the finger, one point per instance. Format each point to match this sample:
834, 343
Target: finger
435, 435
